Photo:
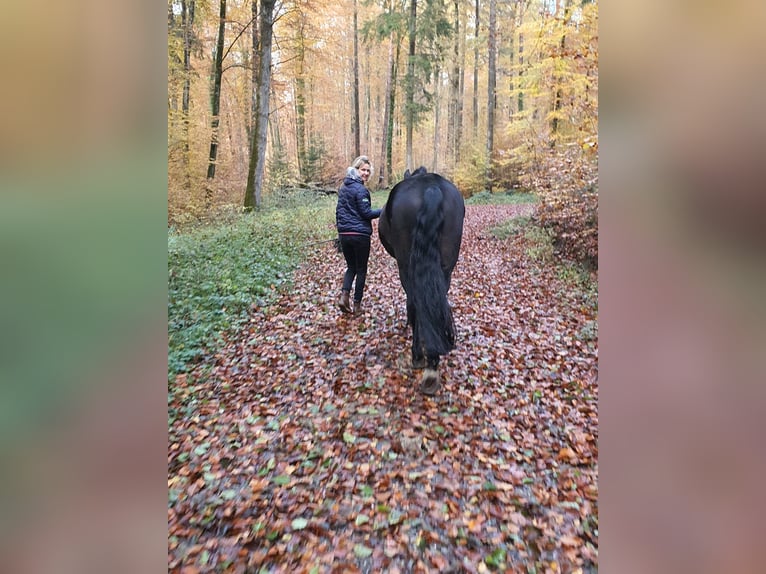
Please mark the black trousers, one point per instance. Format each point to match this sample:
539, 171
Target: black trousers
356, 250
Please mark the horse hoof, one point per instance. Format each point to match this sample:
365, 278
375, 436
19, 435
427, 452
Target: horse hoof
419, 363
430, 384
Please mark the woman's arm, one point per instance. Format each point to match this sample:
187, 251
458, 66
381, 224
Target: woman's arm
363, 204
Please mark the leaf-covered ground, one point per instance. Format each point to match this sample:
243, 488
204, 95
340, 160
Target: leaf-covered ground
309, 449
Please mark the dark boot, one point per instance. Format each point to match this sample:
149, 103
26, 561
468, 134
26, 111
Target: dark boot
357, 307
343, 301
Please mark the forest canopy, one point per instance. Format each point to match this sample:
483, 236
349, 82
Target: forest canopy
264, 97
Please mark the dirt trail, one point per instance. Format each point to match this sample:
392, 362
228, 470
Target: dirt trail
309, 446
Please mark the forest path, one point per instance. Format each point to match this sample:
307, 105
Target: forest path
309, 449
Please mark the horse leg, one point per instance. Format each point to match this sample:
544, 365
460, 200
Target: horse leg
429, 382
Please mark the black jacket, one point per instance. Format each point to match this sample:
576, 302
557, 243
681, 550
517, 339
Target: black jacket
354, 213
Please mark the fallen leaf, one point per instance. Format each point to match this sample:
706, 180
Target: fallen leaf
362, 551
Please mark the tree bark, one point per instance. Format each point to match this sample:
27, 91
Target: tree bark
216, 100
391, 106
520, 100
491, 83
253, 76
435, 160
187, 23
367, 100
558, 91
357, 146
258, 154
384, 159
276, 138
461, 93
300, 101
410, 104
454, 108
511, 48
476, 74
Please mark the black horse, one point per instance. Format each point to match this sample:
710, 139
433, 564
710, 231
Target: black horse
421, 226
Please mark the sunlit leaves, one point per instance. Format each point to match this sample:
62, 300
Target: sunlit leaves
299, 523
362, 551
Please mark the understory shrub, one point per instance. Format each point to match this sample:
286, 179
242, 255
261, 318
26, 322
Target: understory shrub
567, 181
572, 216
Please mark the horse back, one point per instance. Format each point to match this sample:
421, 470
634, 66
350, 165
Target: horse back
400, 213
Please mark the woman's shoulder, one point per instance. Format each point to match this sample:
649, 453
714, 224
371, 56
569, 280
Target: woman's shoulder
357, 186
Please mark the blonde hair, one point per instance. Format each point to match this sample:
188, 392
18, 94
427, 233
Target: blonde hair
362, 159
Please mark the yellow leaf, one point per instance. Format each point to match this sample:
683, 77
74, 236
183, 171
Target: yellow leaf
566, 453
570, 541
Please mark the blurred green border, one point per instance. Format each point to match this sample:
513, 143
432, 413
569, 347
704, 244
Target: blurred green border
83, 253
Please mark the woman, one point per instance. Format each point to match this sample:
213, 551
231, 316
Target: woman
353, 218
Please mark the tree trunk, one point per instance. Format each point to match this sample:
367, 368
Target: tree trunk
300, 102
511, 48
187, 23
437, 81
253, 76
173, 59
520, 51
491, 83
276, 138
368, 100
476, 75
216, 101
258, 154
391, 107
357, 146
410, 104
382, 172
557, 78
454, 107
461, 93
520, 102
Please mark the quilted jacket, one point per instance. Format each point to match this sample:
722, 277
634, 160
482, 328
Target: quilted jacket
354, 213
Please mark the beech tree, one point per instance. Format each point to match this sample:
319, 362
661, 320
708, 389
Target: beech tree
475, 108
455, 114
355, 33
491, 84
253, 73
388, 28
409, 89
260, 131
215, 100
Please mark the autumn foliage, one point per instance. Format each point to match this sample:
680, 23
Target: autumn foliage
569, 206
303, 446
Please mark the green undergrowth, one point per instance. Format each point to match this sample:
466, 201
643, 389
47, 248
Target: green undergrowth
503, 198
217, 272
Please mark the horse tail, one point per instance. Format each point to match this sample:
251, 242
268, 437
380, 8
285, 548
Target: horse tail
429, 285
